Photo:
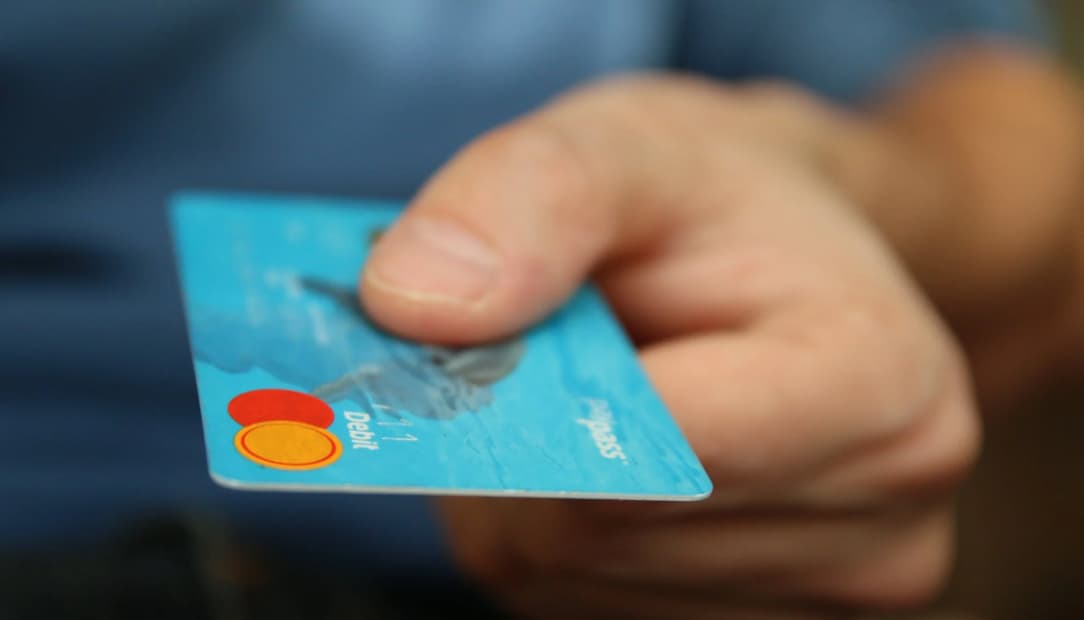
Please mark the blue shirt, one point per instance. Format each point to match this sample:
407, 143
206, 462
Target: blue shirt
107, 108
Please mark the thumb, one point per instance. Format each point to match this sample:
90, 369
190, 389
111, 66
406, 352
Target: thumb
510, 227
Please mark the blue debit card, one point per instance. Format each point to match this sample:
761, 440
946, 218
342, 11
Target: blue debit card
300, 392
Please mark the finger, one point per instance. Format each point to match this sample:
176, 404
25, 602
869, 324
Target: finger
757, 552
922, 464
508, 542
771, 404
507, 229
905, 572
502, 542
925, 463
895, 561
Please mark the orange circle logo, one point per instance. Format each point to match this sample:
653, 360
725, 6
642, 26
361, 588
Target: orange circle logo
289, 445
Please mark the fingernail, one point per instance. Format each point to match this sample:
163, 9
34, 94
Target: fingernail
434, 259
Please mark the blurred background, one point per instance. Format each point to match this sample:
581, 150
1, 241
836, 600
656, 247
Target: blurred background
1022, 514
1070, 19
1020, 554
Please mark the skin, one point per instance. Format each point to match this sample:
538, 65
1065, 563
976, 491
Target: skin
798, 280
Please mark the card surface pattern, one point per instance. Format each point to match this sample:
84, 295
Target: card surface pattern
300, 391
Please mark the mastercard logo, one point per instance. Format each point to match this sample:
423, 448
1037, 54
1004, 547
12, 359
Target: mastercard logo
284, 429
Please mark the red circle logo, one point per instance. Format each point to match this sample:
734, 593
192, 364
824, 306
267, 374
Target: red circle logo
276, 404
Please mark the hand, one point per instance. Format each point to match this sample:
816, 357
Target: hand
826, 400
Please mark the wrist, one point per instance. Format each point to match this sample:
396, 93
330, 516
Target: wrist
986, 222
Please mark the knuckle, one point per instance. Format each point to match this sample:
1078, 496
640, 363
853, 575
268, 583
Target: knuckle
902, 592
891, 367
909, 387
566, 186
955, 445
541, 155
772, 91
940, 452
650, 89
785, 102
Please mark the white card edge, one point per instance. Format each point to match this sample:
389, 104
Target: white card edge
239, 485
